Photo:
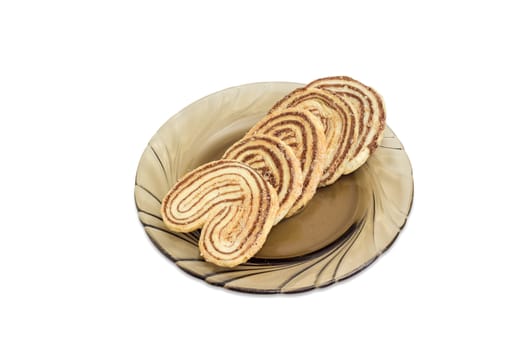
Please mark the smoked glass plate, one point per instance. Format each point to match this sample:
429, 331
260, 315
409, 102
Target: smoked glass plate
342, 230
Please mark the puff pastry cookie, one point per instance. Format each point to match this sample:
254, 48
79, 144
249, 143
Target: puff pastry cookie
233, 205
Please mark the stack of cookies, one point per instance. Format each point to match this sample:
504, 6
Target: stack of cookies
307, 140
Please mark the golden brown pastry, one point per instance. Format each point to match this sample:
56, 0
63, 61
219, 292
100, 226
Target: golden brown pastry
232, 203
362, 97
339, 122
276, 162
303, 132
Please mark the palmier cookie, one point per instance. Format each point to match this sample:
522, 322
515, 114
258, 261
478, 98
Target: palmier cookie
232, 203
303, 133
276, 162
339, 122
362, 97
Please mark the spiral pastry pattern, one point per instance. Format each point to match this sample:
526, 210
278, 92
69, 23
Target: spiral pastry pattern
232, 203
276, 162
303, 133
369, 102
341, 126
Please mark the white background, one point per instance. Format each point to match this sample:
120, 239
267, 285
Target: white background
84, 87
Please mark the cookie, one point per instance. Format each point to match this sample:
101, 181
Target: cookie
362, 97
276, 162
303, 133
233, 205
340, 125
